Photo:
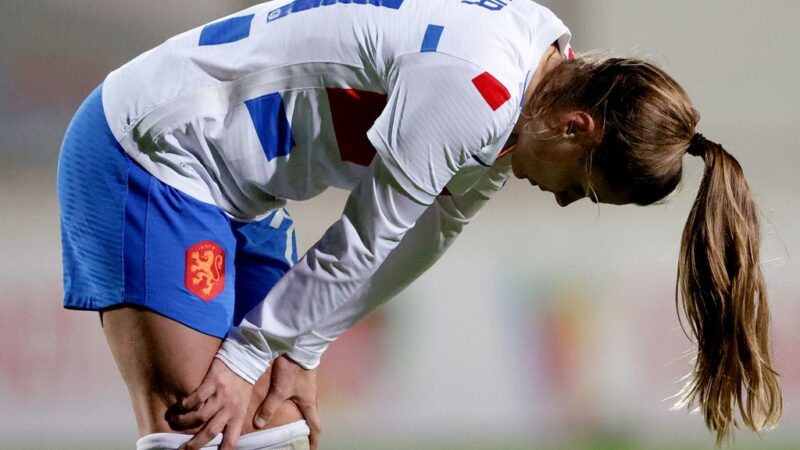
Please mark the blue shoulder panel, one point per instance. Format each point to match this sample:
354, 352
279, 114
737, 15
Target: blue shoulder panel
227, 31
431, 40
272, 127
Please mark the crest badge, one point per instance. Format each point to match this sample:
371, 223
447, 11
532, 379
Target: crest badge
205, 270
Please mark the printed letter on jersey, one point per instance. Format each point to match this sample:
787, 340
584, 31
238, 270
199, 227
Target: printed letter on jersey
205, 270
491, 5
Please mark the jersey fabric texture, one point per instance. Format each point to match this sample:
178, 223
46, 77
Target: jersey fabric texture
129, 238
398, 101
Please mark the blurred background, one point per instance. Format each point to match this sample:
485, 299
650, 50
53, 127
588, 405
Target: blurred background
542, 328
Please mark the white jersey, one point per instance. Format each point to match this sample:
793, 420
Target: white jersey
395, 100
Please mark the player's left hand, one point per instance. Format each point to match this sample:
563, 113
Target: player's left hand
219, 404
290, 381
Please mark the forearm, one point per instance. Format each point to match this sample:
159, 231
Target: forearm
434, 232
376, 217
421, 247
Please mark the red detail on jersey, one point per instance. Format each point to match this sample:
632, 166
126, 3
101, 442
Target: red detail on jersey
506, 151
446, 192
492, 90
353, 113
205, 270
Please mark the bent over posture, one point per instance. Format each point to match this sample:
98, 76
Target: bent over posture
175, 171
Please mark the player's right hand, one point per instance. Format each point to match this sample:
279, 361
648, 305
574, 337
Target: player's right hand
218, 405
290, 381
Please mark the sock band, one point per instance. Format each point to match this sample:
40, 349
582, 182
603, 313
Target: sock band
252, 441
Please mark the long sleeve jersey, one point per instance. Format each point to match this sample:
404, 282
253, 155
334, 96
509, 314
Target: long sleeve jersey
397, 101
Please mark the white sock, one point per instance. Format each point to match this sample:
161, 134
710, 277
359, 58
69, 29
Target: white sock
260, 440
264, 440
171, 441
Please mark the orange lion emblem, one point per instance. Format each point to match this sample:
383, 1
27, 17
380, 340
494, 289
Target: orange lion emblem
205, 270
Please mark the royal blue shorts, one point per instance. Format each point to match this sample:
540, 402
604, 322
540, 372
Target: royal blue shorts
129, 239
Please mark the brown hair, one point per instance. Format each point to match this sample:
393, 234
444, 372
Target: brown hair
647, 124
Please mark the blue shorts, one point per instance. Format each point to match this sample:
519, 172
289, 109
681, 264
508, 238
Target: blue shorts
129, 239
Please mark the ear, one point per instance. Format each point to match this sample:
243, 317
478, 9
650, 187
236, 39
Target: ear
577, 122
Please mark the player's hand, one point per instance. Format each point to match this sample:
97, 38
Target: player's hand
218, 405
289, 381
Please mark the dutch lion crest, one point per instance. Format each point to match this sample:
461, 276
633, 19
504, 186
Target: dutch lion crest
205, 270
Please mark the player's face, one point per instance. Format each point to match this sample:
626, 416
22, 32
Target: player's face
559, 164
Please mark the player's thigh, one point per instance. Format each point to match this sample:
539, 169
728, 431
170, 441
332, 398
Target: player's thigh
162, 360
159, 359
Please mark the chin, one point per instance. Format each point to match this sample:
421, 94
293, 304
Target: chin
562, 201
516, 171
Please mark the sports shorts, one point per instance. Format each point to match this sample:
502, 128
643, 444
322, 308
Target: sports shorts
129, 239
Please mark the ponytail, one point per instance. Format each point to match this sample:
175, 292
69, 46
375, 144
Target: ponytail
648, 124
722, 292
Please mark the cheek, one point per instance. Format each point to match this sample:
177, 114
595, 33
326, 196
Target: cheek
523, 161
531, 148
516, 164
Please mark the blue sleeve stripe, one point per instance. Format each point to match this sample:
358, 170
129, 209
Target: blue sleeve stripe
431, 40
304, 5
272, 127
227, 31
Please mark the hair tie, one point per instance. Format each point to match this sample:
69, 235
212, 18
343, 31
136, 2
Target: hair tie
697, 146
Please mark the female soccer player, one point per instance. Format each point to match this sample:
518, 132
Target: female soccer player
174, 173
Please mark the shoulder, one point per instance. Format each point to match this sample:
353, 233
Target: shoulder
453, 95
506, 38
